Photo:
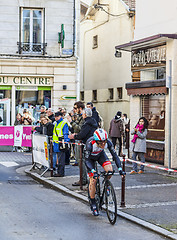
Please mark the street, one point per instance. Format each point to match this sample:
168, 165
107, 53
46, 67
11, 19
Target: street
28, 210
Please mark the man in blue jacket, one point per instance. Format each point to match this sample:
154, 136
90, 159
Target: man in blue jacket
60, 133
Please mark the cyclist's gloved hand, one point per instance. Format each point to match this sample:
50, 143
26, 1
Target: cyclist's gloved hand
95, 175
121, 172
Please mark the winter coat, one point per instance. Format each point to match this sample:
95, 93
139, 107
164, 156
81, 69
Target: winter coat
52, 118
95, 115
76, 125
46, 129
140, 144
87, 129
116, 128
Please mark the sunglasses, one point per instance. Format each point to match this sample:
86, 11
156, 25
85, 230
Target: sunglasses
101, 142
75, 107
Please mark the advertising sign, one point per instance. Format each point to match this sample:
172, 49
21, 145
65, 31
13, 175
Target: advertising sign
6, 136
26, 137
40, 151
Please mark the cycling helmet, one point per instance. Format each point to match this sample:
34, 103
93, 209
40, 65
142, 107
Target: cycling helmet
100, 135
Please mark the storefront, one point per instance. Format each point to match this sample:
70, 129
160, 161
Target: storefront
28, 84
23, 92
149, 93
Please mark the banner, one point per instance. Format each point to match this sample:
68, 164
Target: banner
40, 151
18, 131
19, 136
26, 137
6, 136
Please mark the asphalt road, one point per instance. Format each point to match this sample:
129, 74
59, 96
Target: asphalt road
29, 211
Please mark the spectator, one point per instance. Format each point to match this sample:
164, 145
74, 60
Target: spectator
95, 114
138, 143
18, 120
46, 127
126, 125
60, 132
116, 130
26, 118
76, 123
43, 109
50, 114
87, 130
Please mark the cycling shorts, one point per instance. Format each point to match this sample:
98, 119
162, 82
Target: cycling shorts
102, 159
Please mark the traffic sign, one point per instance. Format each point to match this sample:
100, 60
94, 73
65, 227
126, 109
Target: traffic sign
67, 97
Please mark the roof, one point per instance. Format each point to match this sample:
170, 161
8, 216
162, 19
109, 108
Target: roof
144, 42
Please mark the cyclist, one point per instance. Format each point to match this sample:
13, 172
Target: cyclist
94, 151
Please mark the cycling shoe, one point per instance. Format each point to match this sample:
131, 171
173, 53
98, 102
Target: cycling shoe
94, 210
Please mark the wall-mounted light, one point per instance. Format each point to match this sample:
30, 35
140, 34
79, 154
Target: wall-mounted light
118, 54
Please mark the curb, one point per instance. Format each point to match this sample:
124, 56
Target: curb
84, 199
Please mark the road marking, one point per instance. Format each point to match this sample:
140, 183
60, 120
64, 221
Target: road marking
9, 164
148, 186
151, 205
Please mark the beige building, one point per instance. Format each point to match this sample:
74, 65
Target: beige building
37, 56
103, 76
153, 68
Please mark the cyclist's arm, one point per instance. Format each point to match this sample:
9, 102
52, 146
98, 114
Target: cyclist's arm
114, 154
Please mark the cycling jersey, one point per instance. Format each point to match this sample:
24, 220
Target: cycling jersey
94, 153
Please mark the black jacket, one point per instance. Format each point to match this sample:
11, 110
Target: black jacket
87, 129
52, 118
95, 115
46, 129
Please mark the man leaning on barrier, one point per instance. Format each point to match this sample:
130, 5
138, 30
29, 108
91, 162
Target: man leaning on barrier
60, 135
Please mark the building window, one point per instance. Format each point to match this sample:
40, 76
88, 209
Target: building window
82, 95
111, 93
94, 97
153, 109
119, 93
32, 31
95, 41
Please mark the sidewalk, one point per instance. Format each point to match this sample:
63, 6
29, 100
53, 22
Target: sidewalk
150, 198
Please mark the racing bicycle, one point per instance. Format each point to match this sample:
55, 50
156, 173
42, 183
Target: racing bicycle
105, 196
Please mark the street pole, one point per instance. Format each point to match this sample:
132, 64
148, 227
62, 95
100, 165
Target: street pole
170, 102
77, 50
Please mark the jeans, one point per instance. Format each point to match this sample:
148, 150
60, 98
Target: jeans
141, 158
61, 162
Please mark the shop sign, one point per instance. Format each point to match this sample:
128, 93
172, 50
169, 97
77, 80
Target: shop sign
27, 80
149, 56
67, 97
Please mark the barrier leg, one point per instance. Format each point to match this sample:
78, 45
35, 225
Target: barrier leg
51, 157
123, 184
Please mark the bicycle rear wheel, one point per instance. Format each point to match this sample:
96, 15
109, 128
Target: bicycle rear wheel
110, 202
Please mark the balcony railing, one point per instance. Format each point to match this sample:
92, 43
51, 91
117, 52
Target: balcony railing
39, 48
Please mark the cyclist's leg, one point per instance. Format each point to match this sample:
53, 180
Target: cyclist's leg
105, 162
92, 182
92, 190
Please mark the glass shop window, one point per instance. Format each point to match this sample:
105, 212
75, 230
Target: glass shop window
153, 108
32, 101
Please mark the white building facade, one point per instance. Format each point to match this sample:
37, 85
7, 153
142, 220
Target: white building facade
153, 68
37, 56
103, 77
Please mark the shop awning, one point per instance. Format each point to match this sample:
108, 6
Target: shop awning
147, 87
146, 42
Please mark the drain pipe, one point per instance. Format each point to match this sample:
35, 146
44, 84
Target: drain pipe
170, 112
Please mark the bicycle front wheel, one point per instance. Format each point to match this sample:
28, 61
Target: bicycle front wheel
110, 202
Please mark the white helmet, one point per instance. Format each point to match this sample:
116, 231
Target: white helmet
100, 135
